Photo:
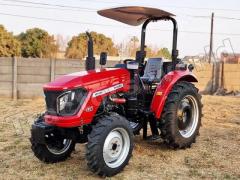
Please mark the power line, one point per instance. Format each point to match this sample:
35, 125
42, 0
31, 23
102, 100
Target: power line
201, 8
83, 9
52, 8
180, 7
116, 3
228, 18
107, 25
55, 20
48, 4
78, 8
106, 2
172, 6
193, 16
205, 17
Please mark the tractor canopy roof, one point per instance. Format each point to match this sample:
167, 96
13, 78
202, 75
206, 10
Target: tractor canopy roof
133, 15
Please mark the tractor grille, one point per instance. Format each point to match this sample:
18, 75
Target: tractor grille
51, 101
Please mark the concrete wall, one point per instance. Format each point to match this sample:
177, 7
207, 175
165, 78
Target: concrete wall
232, 76
23, 78
224, 75
204, 75
32, 73
6, 77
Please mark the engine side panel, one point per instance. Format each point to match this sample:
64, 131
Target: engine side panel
165, 87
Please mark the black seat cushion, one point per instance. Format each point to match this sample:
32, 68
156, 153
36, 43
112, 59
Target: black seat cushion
153, 70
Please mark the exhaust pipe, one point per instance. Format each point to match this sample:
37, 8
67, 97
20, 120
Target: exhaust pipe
90, 61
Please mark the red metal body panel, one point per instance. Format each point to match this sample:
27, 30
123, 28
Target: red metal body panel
165, 87
93, 81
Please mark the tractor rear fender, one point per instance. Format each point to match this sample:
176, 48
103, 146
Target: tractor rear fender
165, 87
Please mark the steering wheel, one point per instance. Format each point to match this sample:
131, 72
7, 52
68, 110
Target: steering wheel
127, 60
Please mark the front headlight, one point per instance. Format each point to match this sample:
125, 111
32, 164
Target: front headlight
64, 99
69, 102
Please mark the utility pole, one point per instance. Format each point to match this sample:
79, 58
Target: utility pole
210, 55
211, 39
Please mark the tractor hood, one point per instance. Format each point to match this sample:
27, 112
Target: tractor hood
90, 80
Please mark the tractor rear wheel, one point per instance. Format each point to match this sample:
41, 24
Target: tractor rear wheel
110, 145
181, 117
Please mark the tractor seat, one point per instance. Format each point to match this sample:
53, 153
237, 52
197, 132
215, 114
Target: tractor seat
152, 71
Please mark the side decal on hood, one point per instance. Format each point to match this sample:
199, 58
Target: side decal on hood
105, 91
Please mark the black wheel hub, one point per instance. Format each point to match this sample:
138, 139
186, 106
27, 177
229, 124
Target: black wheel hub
55, 143
114, 147
184, 114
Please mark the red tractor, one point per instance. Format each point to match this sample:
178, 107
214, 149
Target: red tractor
106, 107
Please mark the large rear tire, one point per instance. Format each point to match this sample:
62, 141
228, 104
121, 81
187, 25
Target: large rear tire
181, 117
110, 145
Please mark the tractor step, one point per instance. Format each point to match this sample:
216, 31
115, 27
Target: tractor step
149, 118
153, 138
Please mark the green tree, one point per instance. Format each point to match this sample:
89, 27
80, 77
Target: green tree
164, 52
134, 43
9, 45
37, 43
77, 47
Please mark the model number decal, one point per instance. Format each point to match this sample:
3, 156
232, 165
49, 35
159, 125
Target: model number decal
105, 91
89, 109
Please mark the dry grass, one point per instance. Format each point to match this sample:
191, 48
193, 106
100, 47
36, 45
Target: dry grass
216, 155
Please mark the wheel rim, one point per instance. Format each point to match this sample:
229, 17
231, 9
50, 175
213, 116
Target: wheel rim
188, 116
116, 147
59, 147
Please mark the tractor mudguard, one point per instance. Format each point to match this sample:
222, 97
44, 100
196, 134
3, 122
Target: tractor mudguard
165, 87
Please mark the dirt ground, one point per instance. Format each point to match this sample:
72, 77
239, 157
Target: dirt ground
216, 155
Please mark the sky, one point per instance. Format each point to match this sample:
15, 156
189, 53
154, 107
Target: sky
193, 20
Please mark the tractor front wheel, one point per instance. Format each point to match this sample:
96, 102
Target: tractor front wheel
110, 145
57, 148
181, 117
53, 152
